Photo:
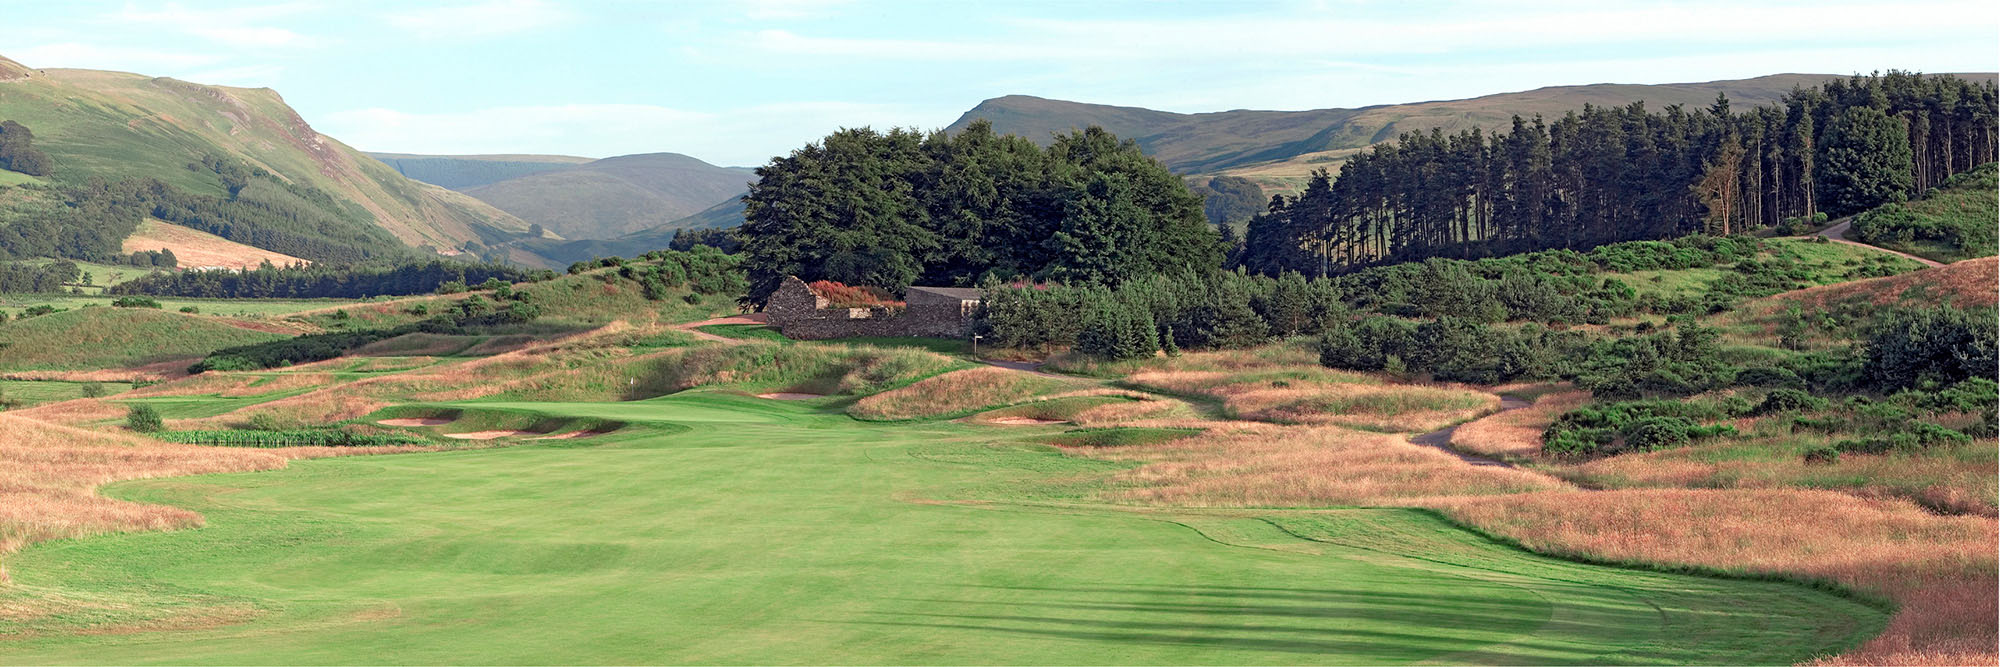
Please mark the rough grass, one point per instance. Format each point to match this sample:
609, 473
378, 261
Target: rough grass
1516, 433
809, 369
1120, 436
194, 248
1314, 395
957, 393
1940, 570
1955, 479
1258, 465
102, 337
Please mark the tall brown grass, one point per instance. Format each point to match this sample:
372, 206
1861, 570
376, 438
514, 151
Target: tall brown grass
957, 392
1939, 569
1314, 395
1262, 465
1516, 433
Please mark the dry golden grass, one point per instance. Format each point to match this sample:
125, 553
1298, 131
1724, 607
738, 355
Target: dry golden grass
1263, 465
1940, 569
197, 248
413, 344
1516, 433
1314, 395
1287, 356
1965, 284
1958, 479
957, 392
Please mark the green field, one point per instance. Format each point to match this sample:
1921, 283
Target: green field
719, 528
13, 304
23, 393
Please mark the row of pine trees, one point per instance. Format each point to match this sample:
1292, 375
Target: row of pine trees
1604, 175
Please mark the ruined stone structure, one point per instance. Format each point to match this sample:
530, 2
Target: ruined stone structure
934, 312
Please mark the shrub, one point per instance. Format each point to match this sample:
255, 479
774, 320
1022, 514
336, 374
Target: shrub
135, 302
144, 419
91, 390
191, 310
1939, 344
1655, 433
1823, 455
1790, 400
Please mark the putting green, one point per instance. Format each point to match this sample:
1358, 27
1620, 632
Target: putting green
725, 529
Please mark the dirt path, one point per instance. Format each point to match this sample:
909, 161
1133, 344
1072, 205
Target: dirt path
1838, 234
692, 327
1441, 438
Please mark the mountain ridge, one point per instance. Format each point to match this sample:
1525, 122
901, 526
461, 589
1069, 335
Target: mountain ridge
118, 125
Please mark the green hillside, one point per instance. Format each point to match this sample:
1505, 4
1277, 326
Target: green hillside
116, 125
1278, 149
556, 254
1951, 222
459, 172
615, 196
105, 337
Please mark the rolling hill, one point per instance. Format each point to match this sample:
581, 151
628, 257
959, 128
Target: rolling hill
555, 254
459, 172
607, 198
1279, 149
115, 125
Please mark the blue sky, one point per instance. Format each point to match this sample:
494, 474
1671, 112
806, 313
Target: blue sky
737, 81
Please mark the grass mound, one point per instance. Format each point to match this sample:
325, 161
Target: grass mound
805, 369
1120, 436
1950, 223
1052, 410
100, 337
955, 394
1313, 395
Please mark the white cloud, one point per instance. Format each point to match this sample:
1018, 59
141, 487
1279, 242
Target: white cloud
743, 136
1326, 34
78, 55
788, 9
486, 19
239, 26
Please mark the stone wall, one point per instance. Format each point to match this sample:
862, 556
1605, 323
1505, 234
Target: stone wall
802, 315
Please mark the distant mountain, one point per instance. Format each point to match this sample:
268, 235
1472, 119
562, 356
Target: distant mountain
1279, 149
459, 172
616, 196
557, 254
115, 125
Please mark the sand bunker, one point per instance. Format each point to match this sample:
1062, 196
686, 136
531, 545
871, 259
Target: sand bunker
1024, 421
486, 435
790, 396
569, 435
422, 421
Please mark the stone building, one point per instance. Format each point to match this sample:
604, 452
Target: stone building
933, 312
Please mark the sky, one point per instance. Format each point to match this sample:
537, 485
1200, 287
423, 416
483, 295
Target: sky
735, 82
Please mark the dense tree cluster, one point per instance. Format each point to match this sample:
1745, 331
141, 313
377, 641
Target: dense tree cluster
900, 208
1615, 174
322, 281
724, 240
21, 278
94, 218
18, 152
1228, 199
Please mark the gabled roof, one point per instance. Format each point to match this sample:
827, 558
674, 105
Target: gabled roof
960, 293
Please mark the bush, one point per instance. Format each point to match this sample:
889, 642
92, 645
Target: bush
1823, 455
144, 419
134, 302
191, 310
1790, 400
91, 390
1654, 433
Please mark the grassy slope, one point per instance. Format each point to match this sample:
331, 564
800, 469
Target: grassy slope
103, 337
459, 172
724, 529
194, 248
118, 125
1968, 204
616, 196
